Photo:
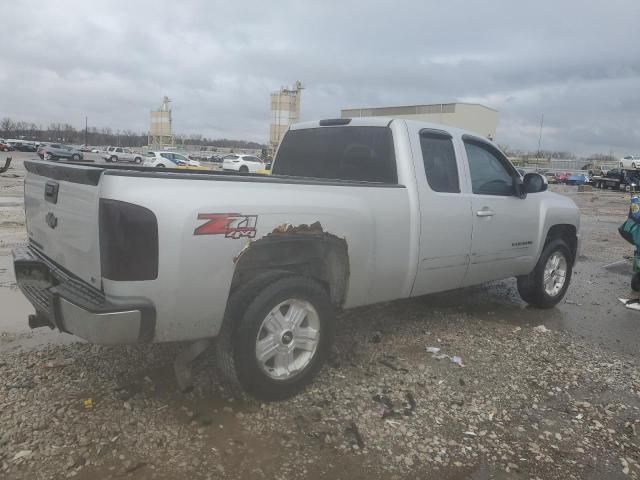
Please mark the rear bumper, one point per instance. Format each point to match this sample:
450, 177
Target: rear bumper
66, 302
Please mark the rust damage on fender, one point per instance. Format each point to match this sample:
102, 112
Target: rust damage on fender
305, 249
315, 227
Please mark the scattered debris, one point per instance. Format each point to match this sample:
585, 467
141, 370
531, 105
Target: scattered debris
352, 429
22, 454
435, 354
88, 403
457, 360
541, 329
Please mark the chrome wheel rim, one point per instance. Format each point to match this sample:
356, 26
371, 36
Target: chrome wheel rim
288, 339
555, 274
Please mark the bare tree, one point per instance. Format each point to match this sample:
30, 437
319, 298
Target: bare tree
7, 126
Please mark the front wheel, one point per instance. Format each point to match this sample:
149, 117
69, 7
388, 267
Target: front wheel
113, 159
137, 160
75, 157
243, 169
280, 335
547, 284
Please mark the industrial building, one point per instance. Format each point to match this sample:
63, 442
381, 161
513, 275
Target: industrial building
469, 116
160, 132
285, 110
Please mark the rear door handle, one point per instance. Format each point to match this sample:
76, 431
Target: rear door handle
485, 213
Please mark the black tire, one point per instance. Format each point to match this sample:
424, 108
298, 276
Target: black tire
531, 287
243, 169
113, 159
635, 282
137, 160
160, 165
75, 157
633, 164
246, 311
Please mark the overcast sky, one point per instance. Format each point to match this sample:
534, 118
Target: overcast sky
576, 61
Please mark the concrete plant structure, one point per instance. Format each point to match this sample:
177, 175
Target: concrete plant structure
160, 132
470, 116
285, 110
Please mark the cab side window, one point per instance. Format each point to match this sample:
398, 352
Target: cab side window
489, 173
439, 161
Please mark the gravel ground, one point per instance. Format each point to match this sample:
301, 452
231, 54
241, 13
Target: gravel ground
528, 402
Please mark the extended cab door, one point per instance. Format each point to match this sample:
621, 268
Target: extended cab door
445, 212
505, 226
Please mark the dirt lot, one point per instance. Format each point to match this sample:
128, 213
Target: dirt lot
527, 403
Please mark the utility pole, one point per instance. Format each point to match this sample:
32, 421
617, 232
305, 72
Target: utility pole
540, 137
86, 130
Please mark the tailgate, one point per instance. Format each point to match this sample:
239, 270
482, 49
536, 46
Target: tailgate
61, 207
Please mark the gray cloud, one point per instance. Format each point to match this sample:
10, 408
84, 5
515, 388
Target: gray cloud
578, 62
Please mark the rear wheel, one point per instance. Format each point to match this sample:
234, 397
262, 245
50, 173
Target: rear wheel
48, 156
137, 160
277, 336
113, 159
75, 157
547, 284
243, 169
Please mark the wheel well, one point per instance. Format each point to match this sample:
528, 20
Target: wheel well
568, 233
304, 250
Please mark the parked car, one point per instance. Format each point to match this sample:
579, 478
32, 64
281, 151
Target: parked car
561, 177
242, 163
5, 147
356, 212
121, 154
577, 179
169, 160
630, 161
56, 151
25, 147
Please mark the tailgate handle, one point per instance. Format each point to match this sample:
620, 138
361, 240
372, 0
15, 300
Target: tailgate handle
51, 192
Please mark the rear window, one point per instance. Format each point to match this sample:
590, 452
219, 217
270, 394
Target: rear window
341, 153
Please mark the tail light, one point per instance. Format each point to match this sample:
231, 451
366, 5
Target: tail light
128, 241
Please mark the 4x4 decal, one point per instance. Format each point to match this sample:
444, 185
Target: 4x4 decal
231, 225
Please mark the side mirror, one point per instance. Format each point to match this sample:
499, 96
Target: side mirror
534, 183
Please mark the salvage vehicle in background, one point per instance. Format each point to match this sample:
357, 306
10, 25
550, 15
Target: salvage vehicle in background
25, 147
630, 161
121, 154
242, 163
4, 146
169, 160
577, 179
56, 151
356, 211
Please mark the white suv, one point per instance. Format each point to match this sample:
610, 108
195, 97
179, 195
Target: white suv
630, 161
242, 163
119, 154
169, 160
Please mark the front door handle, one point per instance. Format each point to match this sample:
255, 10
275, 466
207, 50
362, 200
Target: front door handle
485, 212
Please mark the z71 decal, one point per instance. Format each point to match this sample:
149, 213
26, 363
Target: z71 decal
231, 225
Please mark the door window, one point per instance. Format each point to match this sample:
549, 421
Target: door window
439, 161
489, 173
166, 155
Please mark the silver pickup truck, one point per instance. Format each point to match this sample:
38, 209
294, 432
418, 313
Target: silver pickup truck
355, 212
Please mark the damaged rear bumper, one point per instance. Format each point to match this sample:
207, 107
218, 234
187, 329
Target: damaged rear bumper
68, 303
